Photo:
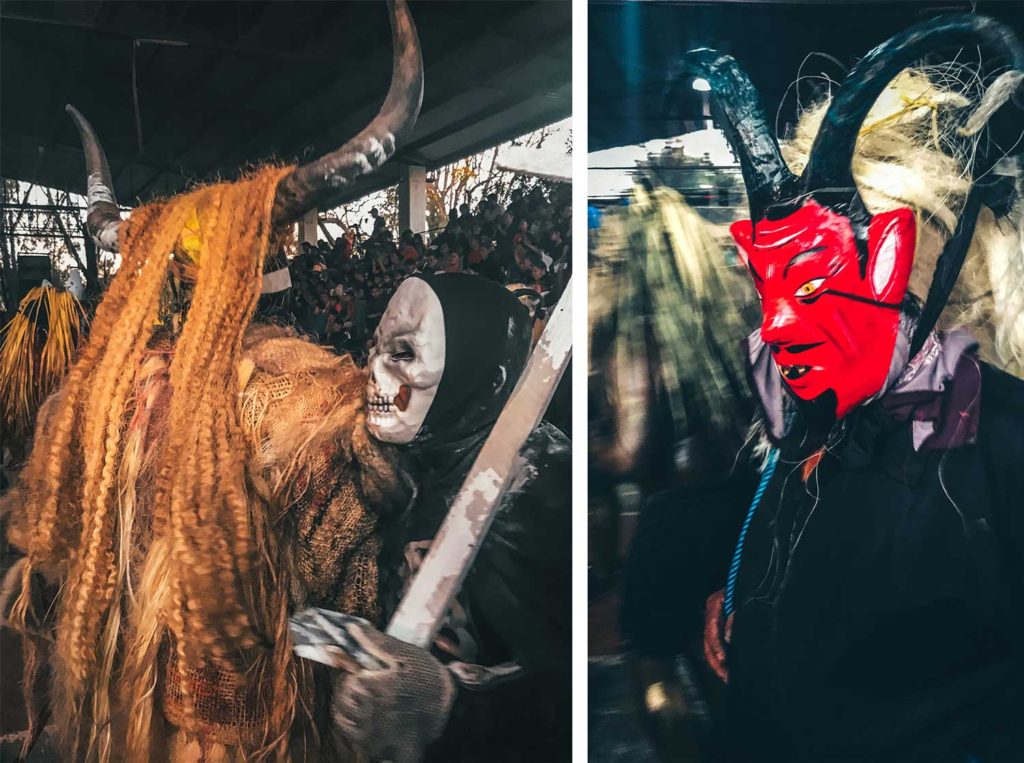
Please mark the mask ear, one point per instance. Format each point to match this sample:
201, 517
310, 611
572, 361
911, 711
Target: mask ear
892, 237
743, 234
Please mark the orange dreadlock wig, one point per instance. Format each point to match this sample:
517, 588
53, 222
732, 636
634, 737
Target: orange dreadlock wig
207, 558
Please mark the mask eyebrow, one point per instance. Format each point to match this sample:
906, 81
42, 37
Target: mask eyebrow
796, 257
402, 336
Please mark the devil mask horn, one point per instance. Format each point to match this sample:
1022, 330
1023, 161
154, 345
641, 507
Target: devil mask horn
828, 174
765, 174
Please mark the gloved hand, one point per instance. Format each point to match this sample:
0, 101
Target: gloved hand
390, 699
717, 634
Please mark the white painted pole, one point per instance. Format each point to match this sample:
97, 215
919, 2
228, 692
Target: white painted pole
439, 579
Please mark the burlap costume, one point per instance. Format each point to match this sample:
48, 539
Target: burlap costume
302, 412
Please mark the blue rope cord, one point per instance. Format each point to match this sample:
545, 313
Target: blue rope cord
734, 568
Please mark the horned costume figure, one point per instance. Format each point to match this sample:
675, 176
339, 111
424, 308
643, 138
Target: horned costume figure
865, 600
197, 480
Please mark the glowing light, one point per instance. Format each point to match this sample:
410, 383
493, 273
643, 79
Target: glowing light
701, 85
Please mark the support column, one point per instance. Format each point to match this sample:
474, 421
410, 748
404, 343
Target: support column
412, 198
307, 227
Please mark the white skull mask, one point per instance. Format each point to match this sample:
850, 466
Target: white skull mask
406, 363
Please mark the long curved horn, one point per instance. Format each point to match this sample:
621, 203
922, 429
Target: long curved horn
829, 164
765, 172
102, 219
313, 185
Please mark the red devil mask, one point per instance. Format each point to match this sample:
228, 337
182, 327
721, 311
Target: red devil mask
830, 313
832, 278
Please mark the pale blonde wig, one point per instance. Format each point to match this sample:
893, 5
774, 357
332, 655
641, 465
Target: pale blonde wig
913, 151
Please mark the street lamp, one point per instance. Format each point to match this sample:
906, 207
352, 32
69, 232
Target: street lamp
703, 87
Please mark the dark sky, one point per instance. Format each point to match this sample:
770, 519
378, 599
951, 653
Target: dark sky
634, 45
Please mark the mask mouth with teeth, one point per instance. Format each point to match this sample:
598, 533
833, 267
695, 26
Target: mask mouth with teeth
794, 373
406, 363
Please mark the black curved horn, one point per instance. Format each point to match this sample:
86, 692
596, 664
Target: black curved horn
315, 184
102, 219
765, 172
829, 164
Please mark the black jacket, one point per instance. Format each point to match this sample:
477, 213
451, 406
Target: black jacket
879, 605
517, 602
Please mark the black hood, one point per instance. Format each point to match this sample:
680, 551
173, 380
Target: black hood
487, 341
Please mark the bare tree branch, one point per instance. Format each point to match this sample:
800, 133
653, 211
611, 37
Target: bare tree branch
68, 243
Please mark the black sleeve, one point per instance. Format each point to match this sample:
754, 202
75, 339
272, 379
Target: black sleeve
1001, 439
518, 590
679, 556
518, 593
526, 719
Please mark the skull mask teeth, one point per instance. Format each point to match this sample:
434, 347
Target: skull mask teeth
378, 403
406, 363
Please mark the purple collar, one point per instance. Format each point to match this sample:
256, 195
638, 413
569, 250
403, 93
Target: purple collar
939, 391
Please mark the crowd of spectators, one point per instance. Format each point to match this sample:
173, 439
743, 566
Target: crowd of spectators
340, 290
